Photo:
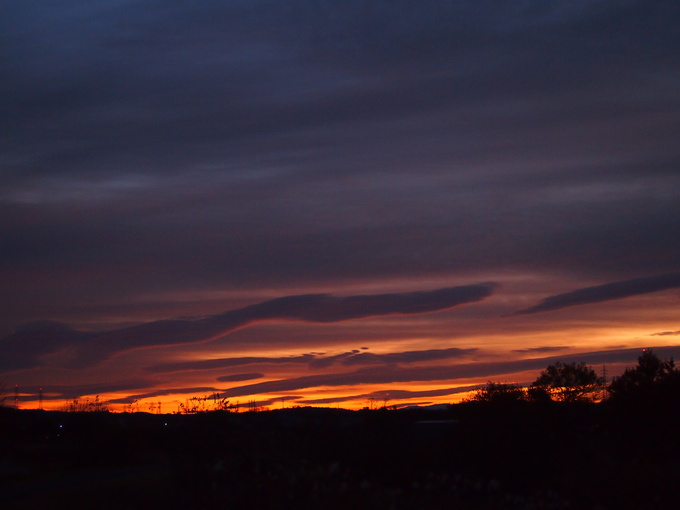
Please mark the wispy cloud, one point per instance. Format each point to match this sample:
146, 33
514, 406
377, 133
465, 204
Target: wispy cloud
666, 333
408, 357
316, 360
211, 364
28, 346
241, 377
542, 350
607, 292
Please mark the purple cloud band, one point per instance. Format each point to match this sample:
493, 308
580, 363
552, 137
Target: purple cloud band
315, 361
607, 292
27, 347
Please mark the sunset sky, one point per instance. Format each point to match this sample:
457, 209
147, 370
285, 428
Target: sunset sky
330, 203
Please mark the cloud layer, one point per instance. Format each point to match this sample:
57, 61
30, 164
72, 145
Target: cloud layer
28, 346
179, 159
182, 148
607, 292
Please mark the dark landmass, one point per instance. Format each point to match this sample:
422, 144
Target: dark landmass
469, 456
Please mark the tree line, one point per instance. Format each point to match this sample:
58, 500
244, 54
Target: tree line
651, 378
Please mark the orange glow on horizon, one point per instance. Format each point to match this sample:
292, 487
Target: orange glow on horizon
505, 343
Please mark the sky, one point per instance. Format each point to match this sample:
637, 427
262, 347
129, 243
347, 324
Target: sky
333, 203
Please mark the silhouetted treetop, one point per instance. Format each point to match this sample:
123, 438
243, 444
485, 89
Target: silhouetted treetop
567, 382
651, 376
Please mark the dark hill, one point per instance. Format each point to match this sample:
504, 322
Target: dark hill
469, 456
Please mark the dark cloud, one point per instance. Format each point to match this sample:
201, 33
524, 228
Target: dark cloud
607, 292
542, 350
85, 349
212, 364
240, 377
369, 358
28, 343
316, 361
320, 362
355, 357
666, 333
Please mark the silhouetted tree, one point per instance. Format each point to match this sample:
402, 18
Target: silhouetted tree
651, 375
499, 393
568, 382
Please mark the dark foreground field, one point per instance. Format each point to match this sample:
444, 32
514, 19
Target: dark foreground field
475, 455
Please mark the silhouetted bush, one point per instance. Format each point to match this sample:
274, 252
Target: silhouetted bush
499, 393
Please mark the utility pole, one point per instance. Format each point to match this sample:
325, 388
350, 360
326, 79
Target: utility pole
40, 399
16, 396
